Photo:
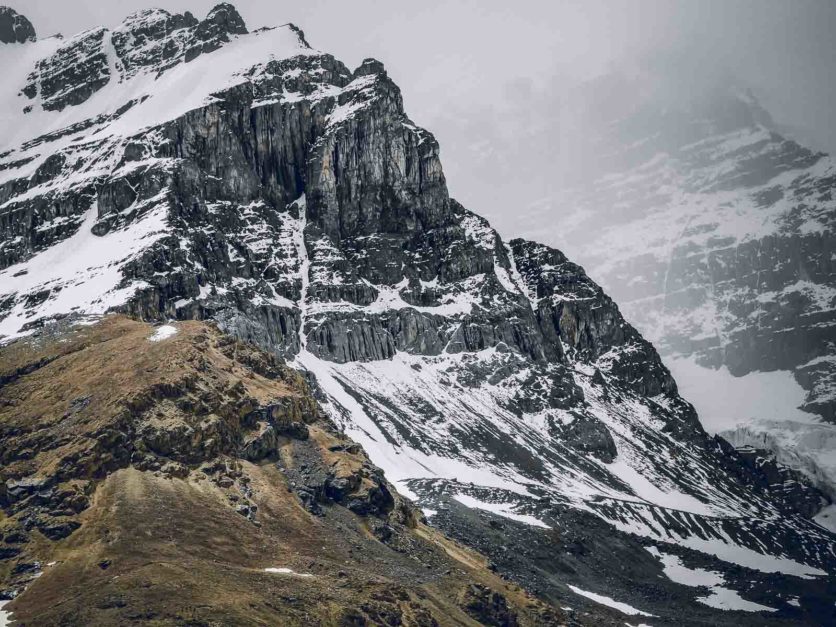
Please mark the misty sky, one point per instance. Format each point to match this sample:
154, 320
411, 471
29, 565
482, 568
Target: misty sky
468, 67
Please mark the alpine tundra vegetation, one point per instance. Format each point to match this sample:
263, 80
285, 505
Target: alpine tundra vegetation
359, 404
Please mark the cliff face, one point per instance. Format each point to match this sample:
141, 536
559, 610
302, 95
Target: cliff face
263, 185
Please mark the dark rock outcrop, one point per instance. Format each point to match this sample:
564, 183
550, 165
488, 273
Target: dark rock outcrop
14, 27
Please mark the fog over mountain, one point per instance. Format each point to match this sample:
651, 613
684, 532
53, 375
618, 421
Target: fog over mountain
474, 50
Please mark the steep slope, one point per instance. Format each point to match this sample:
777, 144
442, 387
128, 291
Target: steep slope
174, 475
715, 233
293, 202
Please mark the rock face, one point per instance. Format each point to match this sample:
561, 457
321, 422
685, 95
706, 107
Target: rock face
14, 27
293, 202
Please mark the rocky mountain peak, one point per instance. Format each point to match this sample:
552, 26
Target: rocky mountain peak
222, 20
369, 66
149, 41
14, 27
267, 188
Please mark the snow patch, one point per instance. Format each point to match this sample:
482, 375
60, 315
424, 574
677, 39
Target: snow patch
720, 597
501, 509
286, 571
724, 401
5, 616
726, 599
163, 333
616, 605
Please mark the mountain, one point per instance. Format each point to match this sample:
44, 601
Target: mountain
714, 232
177, 169
158, 508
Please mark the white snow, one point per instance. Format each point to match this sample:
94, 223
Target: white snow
286, 571
343, 112
304, 267
725, 599
724, 549
724, 401
163, 333
654, 492
86, 268
363, 86
604, 600
5, 616
389, 298
677, 572
17, 62
478, 231
719, 597
502, 509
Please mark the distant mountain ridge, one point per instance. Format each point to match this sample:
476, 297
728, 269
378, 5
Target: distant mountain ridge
717, 241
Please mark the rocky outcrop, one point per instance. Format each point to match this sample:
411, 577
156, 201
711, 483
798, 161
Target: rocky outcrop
575, 310
759, 467
488, 607
90, 491
14, 27
172, 425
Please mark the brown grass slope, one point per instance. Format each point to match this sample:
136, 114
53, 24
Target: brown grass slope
154, 482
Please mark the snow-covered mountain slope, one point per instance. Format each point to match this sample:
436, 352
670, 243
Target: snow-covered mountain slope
715, 233
293, 202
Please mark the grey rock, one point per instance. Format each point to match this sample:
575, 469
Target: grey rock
14, 27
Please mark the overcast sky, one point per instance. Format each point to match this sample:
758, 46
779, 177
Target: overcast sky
467, 65
467, 50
